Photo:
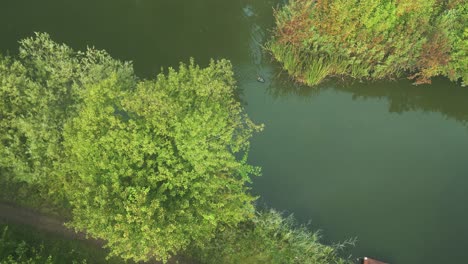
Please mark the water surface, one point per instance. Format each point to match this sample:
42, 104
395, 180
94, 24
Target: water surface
384, 162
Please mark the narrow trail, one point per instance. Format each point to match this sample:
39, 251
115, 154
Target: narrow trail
11, 213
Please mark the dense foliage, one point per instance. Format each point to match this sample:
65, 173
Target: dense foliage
154, 167
372, 39
39, 93
268, 238
149, 166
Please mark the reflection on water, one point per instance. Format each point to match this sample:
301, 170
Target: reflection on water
248, 11
449, 99
257, 38
442, 96
255, 44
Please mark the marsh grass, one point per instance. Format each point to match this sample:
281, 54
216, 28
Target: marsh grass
270, 238
317, 39
307, 67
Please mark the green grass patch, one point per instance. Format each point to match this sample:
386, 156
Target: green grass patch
269, 238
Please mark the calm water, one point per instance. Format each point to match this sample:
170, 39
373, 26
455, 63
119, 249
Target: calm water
383, 162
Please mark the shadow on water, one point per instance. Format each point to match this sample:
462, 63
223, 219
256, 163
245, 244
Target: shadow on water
442, 96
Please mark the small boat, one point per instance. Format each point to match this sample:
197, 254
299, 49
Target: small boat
260, 79
366, 260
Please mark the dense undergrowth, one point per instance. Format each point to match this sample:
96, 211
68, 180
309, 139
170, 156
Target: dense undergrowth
370, 39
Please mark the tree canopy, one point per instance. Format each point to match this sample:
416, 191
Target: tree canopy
151, 166
39, 93
372, 39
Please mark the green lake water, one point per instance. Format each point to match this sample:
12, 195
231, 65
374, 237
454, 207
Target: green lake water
384, 162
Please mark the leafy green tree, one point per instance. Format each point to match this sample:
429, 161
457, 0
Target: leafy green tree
149, 166
152, 167
39, 93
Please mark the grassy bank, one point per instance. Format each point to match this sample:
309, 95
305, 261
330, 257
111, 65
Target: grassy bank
269, 238
372, 40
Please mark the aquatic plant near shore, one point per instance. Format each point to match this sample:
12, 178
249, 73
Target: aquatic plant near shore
372, 39
268, 238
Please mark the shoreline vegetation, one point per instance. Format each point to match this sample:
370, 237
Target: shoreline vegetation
371, 40
157, 168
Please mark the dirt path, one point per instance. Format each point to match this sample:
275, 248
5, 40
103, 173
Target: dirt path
11, 213
18, 215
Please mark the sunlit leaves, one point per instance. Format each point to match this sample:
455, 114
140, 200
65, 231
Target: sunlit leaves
149, 166
39, 92
156, 161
